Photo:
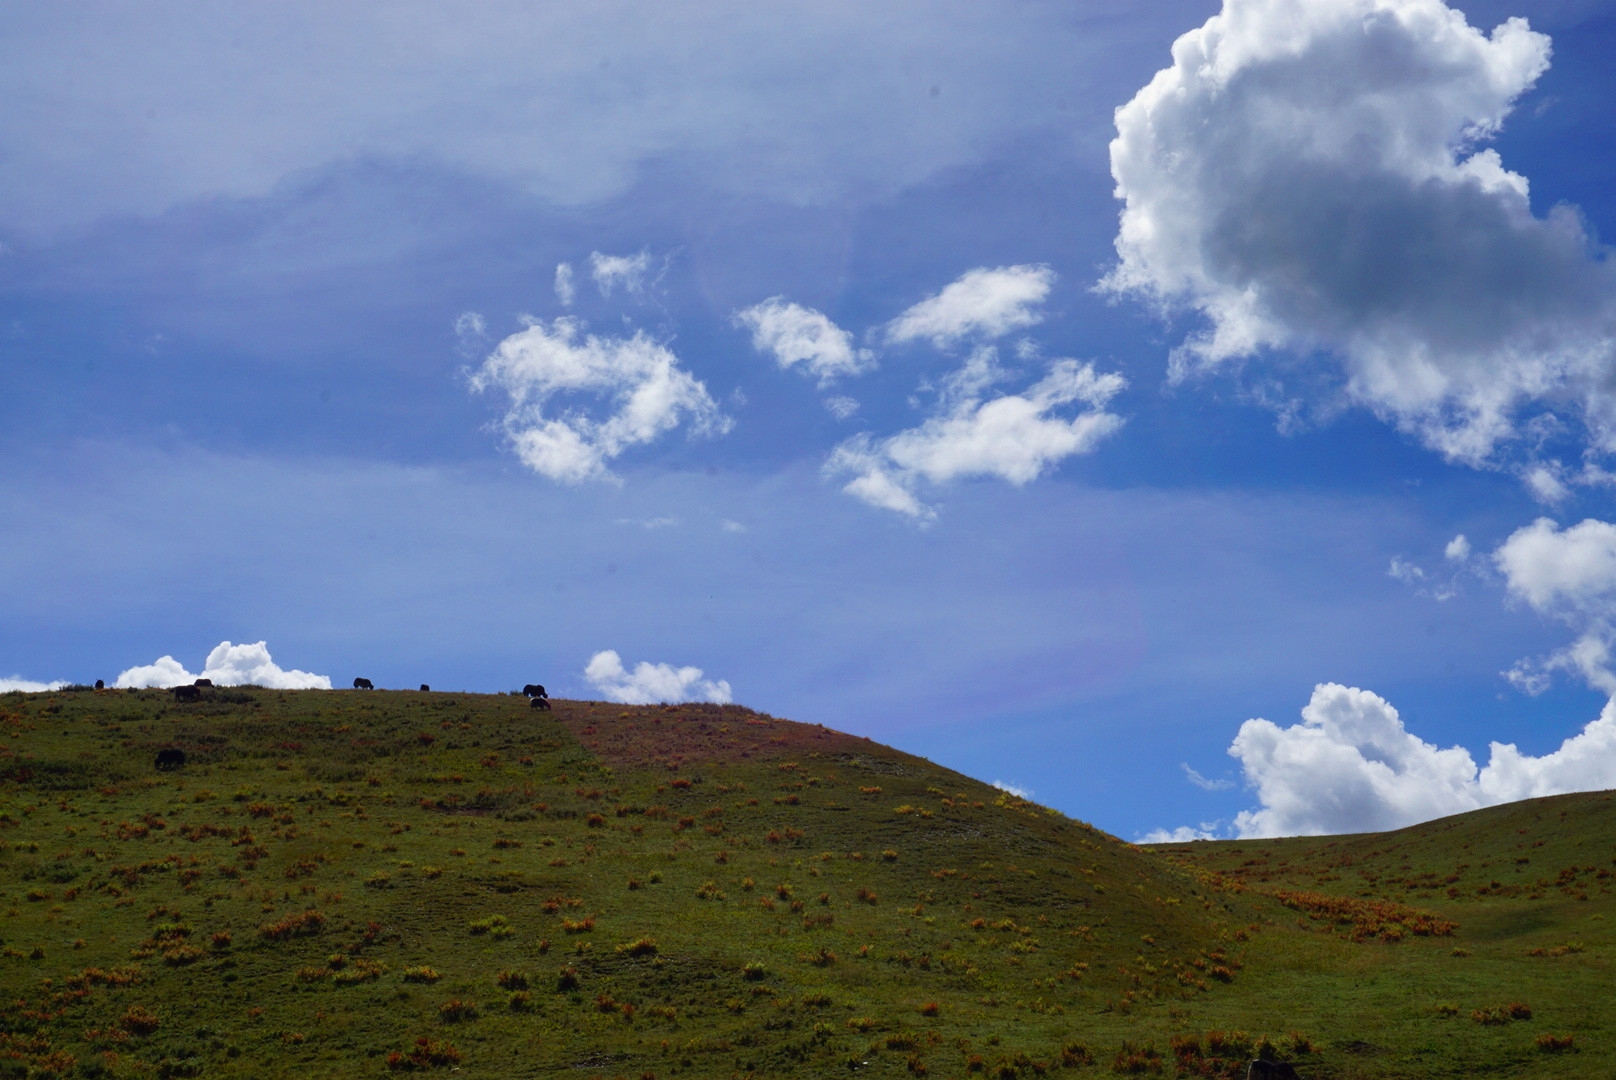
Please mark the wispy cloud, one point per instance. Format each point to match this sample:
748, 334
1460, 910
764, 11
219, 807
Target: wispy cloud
1202, 782
613, 271
1014, 437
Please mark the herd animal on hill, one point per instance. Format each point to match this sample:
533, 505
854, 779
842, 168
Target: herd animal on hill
172, 758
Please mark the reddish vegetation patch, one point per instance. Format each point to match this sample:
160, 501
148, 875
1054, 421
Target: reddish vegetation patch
636, 736
1364, 919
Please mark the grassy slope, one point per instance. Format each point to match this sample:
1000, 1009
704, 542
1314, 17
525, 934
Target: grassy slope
991, 932
1529, 886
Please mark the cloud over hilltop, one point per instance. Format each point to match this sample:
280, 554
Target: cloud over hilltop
1352, 766
1306, 175
651, 684
226, 665
28, 686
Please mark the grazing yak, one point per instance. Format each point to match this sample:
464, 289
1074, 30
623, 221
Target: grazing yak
363, 684
539, 703
425, 688
100, 684
534, 690
170, 758
187, 693
203, 682
1270, 1070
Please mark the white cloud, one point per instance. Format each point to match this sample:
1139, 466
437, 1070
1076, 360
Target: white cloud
1012, 789
650, 684
1305, 175
732, 526
1569, 575
1545, 484
982, 303
565, 290
842, 408
28, 686
1202, 782
1458, 549
1352, 766
796, 334
1014, 437
1184, 834
642, 379
226, 665
1403, 570
611, 271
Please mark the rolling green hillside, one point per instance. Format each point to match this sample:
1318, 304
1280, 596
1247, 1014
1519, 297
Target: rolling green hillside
349, 883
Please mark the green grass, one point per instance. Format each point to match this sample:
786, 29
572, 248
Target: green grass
344, 883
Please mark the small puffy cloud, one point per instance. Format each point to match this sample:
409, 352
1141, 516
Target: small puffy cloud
796, 334
1014, 437
640, 379
1012, 789
226, 665
28, 686
565, 290
612, 271
982, 303
651, 684
1561, 571
1352, 766
1306, 176
1567, 574
1458, 549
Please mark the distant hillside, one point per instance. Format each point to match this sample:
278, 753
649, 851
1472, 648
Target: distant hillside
370, 883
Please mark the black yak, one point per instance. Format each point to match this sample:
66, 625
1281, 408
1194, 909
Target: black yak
363, 684
203, 682
187, 693
170, 758
1270, 1070
100, 684
425, 688
539, 703
534, 690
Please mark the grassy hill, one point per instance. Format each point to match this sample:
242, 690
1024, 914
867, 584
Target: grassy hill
347, 883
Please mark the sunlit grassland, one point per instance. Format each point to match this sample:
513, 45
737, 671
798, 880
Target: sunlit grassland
341, 883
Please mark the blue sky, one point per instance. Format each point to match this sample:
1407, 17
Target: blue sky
895, 379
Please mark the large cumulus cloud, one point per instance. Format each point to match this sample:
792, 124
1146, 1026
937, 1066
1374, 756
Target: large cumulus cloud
1307, 176
1352, 766
227, 665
